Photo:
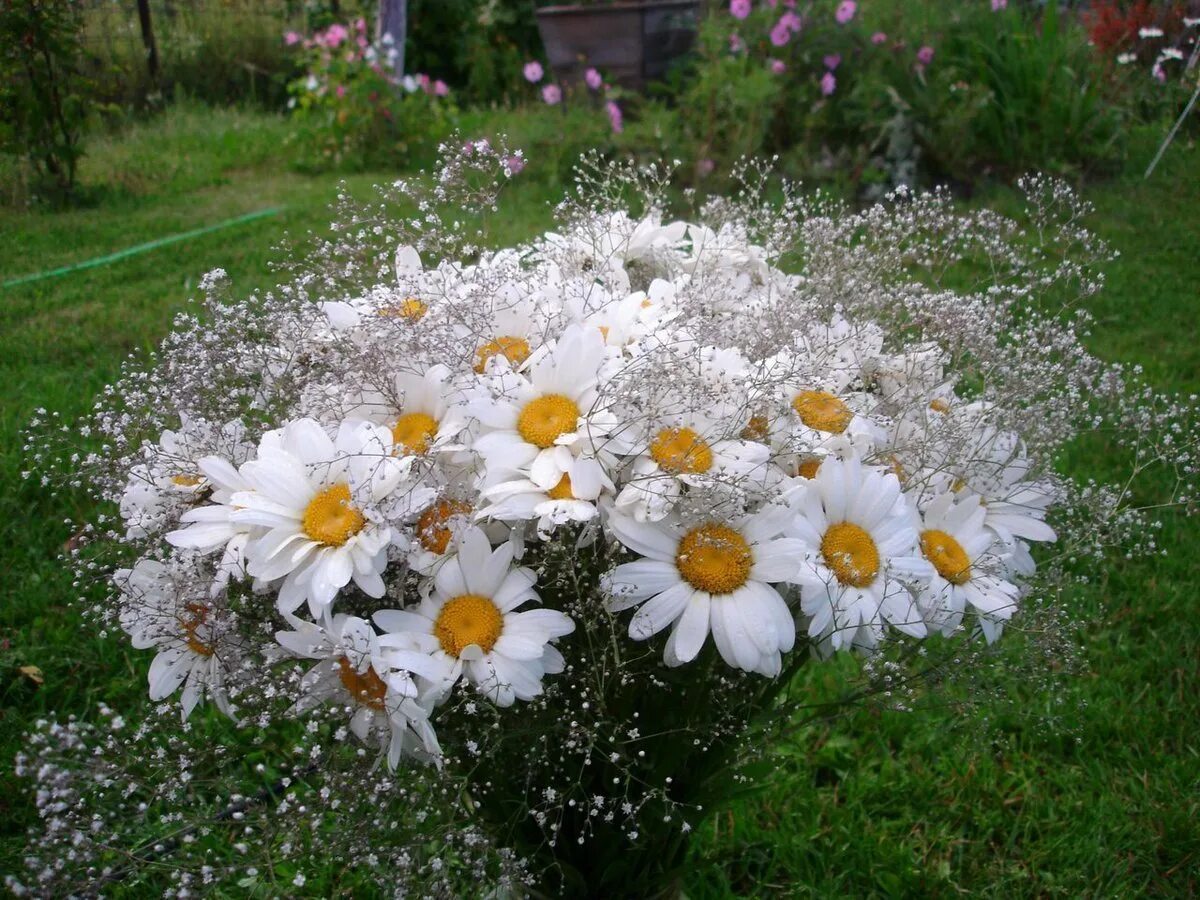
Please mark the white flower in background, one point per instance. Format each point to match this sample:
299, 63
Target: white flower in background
212, 528
481, 636
171, 476
553, 407
312, 499
997, 469
572, 499
966, 574
157, 615
713, 576
861, 555
424, 411
388, 707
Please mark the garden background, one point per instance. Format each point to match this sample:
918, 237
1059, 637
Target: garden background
267, 106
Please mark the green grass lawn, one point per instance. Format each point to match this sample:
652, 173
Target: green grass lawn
893, 804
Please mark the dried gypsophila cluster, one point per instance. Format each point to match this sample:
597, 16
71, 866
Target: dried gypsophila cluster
438, 472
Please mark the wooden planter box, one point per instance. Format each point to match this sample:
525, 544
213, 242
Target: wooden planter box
632, 43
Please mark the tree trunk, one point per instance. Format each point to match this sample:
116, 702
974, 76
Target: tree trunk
148, 37
393, 20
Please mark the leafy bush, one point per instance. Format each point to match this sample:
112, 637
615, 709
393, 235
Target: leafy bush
40, 88
350, 110
916, 89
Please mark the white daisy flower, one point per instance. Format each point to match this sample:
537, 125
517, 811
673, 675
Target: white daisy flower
861, 555
956, 543
211, 528
713, 577
388, 707
313, 498
425, 411
553, 407
472, 614
572, 499
185, 633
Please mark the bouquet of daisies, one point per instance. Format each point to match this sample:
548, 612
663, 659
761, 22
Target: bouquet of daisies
555, 526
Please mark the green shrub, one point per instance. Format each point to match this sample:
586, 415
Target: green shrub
41, 92
901, 92
351, 113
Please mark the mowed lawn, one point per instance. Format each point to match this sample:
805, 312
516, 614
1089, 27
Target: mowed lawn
1107, 804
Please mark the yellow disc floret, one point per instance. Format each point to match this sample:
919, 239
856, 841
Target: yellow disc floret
850, 551
682, 451
414, 431
947, 556
757, 428
808, 468
514, 349
822, 411
562, 490
366, 687
714, 558
468, 619
433, 525
410, 308
545, 419
186, 480
329, 518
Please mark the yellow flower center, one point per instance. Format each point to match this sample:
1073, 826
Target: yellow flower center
808, 468
186, 480
756, 429
939, 405
682, 451
714, 558
562, 490
414, 431
199, 615
545, 419
366, 687
822, 411
329, 518
851, 553
468, 619
410, 308
514, 349
433, 525
947, 556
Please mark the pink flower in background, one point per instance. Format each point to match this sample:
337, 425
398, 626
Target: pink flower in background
423, 81
615, 119
736, 44
340, 91
832, 61
878, 38
998, 5
778, 66
780, 34
592, 79
291, 38
791, 22
552, 94
828, 84
514, 164
440, 88
845, 11
361, 25
925, 55
705, 167
739, 9
335, 34
533, 72
1159, 74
